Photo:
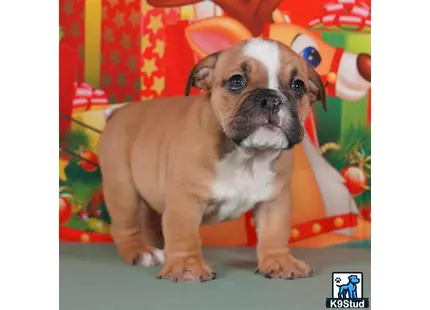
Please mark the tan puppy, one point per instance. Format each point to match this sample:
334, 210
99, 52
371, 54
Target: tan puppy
185, 161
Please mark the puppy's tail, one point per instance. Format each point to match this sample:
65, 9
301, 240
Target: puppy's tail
108, 113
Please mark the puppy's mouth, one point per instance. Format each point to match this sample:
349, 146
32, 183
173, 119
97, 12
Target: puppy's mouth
269, 134
271, 127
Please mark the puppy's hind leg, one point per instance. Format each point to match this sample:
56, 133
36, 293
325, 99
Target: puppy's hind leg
122, 202
124, 206
121, 197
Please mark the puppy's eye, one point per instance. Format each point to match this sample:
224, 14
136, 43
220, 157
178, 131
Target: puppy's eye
298, 87
236, 82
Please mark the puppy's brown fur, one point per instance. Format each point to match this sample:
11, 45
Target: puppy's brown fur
159, 159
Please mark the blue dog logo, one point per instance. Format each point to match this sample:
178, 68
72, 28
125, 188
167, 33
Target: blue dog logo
348, 290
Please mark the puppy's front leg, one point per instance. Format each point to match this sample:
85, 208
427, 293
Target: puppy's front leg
273, 231
184, 259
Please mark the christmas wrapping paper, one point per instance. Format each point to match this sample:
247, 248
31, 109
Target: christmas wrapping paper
120, 45
68, 63
153, 48
107, 35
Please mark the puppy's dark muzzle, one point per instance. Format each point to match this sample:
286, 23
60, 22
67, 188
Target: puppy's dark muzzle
267, 99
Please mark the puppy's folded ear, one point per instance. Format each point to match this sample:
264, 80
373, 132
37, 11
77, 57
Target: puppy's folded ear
317, 89
201, 75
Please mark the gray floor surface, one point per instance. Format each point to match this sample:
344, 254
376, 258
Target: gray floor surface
92, 277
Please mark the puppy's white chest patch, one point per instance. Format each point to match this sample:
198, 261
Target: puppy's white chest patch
243, 180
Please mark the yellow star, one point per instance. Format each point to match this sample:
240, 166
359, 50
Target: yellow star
145, 43
149, 66
159, 48
158, 85
155, 23
145, 6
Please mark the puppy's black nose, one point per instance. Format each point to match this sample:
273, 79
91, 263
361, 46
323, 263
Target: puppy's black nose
270, 103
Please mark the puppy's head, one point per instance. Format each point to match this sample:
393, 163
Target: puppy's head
261, 92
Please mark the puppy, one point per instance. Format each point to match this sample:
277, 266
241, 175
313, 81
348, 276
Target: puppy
171, 164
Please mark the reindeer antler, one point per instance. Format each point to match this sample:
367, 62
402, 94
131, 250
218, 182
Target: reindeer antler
253, 14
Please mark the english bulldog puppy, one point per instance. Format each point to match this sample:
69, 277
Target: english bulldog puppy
172, 164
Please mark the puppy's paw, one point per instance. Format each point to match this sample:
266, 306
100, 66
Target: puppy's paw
151, 258
143, 255
283, 266
191, 268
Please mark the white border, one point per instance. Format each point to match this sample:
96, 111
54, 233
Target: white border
29, 154
400, 154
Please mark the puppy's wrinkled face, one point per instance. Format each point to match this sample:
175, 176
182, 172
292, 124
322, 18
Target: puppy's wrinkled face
261, 92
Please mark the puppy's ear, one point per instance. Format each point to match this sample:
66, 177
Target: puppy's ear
201, 75
317, 89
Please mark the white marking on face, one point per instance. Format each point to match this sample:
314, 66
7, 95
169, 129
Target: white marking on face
243, 180
268, 54
152, 259
264, 138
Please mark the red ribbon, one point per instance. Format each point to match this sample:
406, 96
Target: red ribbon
309, 229
87, 96
334, 68
67, 234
